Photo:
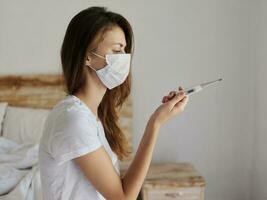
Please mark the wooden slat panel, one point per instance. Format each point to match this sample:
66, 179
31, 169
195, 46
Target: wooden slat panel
35, 91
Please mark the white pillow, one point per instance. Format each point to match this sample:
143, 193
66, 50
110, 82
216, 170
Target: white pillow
3, 106
24, 125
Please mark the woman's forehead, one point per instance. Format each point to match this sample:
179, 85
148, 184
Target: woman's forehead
114, 36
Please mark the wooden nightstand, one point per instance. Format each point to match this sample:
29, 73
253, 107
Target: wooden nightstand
178, 181
173, 181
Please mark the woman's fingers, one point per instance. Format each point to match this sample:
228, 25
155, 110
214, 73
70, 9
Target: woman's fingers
164, 99
170, 95
174, 103
180, 95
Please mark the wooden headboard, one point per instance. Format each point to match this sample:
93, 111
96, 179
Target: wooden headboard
44, 91
35, 91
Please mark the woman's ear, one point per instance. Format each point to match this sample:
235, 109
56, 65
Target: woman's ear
88, 60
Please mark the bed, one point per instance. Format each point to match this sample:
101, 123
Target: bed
25, 102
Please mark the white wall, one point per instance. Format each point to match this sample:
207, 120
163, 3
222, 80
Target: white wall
177, 43
194, 42
259, 175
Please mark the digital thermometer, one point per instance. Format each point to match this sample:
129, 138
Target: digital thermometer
200, 87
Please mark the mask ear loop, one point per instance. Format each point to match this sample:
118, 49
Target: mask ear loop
91, 68
98, 55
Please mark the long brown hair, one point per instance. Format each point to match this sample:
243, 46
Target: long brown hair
84, 31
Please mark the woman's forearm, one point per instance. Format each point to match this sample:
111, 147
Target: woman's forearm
136, 173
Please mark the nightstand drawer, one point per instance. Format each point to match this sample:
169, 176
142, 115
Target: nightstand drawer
186, 193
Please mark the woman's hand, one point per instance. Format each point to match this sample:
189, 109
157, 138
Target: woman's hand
173, 104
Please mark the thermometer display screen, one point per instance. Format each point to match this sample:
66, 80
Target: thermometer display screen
189, 91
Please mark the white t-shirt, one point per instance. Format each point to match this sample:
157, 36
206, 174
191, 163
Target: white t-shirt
71, 130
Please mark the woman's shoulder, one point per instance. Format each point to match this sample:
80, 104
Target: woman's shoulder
70, 108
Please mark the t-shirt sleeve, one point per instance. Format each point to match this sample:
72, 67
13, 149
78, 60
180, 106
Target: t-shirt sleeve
74, 135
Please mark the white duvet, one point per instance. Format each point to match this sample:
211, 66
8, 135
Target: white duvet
19, 171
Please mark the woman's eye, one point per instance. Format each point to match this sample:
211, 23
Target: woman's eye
118, 51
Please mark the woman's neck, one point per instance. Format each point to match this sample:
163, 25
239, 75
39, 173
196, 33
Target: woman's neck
92, 97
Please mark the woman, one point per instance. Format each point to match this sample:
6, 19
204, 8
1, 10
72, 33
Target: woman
81, 141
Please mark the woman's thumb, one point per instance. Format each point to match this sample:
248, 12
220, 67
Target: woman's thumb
178, 97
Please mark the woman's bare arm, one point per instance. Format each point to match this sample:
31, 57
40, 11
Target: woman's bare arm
98, 168
134, 177
97, 165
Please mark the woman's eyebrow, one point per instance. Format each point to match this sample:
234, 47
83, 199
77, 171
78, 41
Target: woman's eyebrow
117, 43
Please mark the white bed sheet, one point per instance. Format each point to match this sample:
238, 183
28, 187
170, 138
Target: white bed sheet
19, 171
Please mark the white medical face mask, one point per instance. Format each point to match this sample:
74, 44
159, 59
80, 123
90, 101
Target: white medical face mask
116, 70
